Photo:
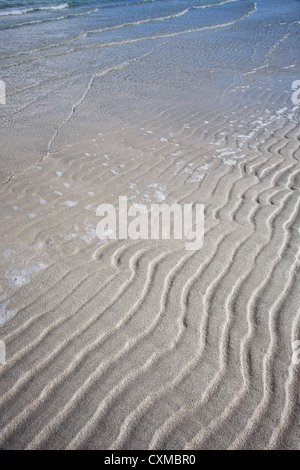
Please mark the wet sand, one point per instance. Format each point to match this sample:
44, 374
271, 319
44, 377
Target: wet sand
141, 344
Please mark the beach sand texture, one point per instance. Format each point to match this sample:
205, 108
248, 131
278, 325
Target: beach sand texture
141, 344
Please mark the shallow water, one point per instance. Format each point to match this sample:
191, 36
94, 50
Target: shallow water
72, 67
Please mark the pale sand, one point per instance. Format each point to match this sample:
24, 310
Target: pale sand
142, 344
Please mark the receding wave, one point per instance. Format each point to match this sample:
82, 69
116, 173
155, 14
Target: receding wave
135, 23
215, 4
23, 11
45, 20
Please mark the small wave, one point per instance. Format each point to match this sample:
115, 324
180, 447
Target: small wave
45, 20
23, 11
132, 23
214, 4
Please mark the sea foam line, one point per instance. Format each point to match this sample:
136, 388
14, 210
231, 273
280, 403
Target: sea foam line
23, 11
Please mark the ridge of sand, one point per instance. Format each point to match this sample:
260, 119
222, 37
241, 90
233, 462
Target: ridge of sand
142, 344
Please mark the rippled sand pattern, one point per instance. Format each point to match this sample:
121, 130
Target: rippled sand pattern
141, 344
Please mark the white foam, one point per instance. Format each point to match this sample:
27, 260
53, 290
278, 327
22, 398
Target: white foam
70, 236
90, 233
90, 208
8, 252
196, 178
205, 166
176, 153
6, 315
22, 11
224, 153
159, 196
69, 203
229, 162
20, 277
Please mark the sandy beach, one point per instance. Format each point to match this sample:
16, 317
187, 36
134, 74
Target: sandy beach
142, 344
